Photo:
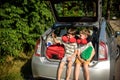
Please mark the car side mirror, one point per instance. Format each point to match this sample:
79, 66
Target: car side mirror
117, 33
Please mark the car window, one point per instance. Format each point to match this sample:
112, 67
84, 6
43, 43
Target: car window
63, 30
76, 8
60, 31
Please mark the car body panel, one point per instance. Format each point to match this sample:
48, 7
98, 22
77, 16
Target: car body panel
49, 70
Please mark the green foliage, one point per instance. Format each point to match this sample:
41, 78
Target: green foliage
114, 8
21, 23
9, 43
12, 76
75, 8
104, 8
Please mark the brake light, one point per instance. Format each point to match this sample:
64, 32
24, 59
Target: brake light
103, 50
37, 48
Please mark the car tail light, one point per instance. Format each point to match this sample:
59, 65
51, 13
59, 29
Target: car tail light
103, 51
37, 48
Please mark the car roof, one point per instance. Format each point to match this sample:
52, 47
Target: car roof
76, 10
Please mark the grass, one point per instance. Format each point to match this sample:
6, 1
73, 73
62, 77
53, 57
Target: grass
12, 76
16, 68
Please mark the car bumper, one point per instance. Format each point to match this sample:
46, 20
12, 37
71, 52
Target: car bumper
100, 71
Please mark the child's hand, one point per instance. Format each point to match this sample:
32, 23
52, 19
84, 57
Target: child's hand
82, 60
53, 35
88, 60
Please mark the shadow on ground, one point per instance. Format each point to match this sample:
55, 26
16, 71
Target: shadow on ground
26, 71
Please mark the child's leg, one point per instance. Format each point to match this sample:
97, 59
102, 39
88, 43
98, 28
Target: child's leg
86, 71
69, 68
60, 69
77, 69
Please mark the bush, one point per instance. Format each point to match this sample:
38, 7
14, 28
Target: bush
21, 23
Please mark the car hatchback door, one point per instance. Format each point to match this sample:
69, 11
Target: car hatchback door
76, 10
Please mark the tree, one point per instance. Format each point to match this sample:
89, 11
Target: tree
108, 10
21, 23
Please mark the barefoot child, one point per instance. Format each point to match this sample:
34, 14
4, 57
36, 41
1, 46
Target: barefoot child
69, 42
84, 54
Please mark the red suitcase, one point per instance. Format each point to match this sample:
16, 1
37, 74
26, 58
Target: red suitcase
55, 51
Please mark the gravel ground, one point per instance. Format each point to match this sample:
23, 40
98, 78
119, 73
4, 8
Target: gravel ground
117, 70
116, 26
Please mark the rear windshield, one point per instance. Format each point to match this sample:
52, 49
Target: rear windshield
80, 8
75, 11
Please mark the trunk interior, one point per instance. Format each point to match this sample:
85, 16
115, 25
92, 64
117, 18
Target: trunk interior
55, 52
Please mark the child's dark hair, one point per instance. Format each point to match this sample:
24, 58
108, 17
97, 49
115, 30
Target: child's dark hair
71, 31
85, 31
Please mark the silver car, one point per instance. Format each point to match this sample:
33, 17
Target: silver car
79, 15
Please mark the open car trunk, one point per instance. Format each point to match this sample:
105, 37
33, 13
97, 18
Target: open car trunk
56, 52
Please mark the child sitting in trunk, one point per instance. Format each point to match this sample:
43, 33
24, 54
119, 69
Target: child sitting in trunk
85, 53
70, 45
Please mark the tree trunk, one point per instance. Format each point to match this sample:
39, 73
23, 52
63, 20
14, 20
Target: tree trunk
108, 10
